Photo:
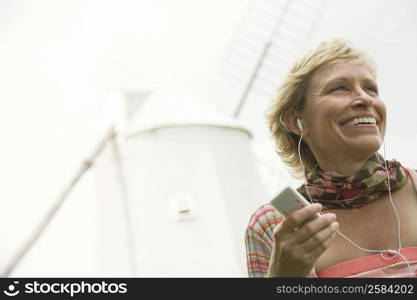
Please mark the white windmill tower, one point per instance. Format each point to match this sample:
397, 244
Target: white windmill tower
189, 184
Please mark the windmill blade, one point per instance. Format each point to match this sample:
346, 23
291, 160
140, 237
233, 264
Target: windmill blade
272, 34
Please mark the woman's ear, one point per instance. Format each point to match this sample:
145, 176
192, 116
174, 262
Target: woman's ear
296, 125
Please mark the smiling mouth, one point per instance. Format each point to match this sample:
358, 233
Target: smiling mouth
361, 122
360, 126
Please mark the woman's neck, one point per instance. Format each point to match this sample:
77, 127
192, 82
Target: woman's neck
346, 166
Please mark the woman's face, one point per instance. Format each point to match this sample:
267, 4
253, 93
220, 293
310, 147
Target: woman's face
340, 99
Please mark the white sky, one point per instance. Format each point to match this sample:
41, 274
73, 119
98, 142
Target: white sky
60, 58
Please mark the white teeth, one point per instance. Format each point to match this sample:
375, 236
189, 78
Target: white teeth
360, 121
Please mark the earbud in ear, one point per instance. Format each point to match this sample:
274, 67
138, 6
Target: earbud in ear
299, 125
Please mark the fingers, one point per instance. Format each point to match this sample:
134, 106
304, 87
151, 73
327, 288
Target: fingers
314, 228
301, 216
296, 251
315, 254
319, 238
311, 249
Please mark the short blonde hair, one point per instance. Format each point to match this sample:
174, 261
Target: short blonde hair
291, 96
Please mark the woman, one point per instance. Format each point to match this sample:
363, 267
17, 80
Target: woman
332, 90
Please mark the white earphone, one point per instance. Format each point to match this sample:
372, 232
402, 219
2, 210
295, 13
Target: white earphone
299, 125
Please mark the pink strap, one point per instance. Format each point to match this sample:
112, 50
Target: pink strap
368, 263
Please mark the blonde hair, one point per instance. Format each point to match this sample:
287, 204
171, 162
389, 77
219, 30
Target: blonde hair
291, 96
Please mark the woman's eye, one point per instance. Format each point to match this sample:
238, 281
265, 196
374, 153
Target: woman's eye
373, 89
340, 87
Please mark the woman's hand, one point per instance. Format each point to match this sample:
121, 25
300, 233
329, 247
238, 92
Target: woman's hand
300, 240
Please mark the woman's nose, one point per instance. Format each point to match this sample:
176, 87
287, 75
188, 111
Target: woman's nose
362, 98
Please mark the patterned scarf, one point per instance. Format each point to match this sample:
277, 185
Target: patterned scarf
334, 190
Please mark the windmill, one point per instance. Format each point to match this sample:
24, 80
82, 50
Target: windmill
228, 189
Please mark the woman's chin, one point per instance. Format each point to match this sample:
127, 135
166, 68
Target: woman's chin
366, 146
